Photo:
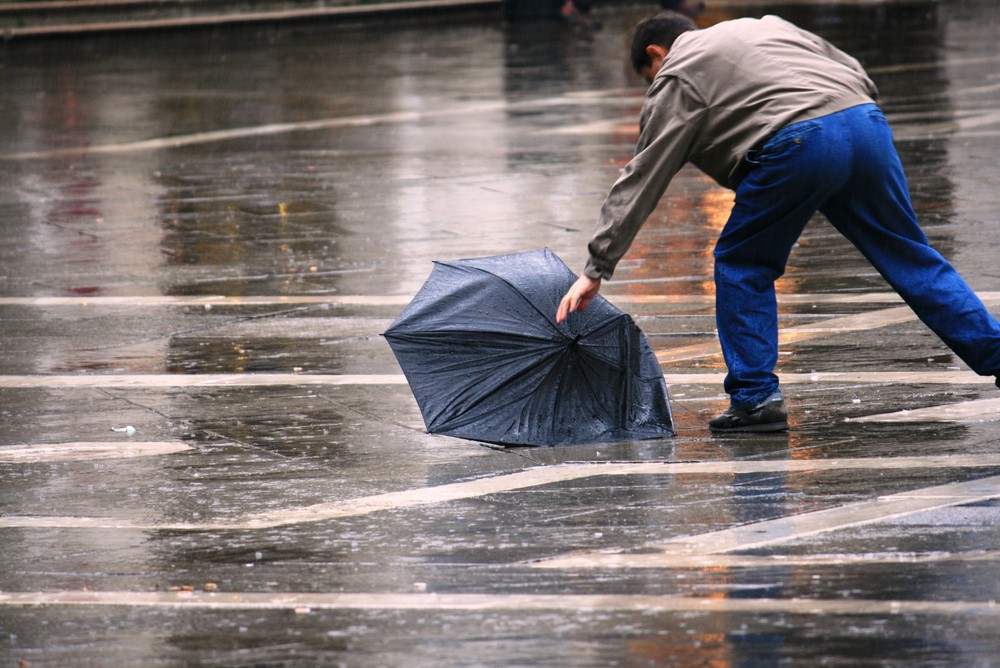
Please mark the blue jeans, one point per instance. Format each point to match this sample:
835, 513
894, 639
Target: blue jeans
845, 166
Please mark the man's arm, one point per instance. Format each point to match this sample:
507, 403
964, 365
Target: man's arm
670, 120
669, 125
668, 129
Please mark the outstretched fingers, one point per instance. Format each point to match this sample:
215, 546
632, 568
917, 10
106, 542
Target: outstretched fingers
578, 297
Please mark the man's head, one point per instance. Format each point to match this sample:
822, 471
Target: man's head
692, 8
653, 39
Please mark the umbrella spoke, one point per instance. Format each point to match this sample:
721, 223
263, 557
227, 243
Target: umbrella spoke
519, 387
573, 382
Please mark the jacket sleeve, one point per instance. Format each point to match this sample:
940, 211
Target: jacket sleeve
669, 124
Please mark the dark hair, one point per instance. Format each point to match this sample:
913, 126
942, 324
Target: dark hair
660, 29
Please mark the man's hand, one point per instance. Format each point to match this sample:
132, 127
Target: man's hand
578, 297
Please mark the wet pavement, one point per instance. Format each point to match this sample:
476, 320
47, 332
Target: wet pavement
204, 234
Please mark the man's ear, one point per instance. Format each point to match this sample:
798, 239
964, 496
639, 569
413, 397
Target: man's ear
655, 51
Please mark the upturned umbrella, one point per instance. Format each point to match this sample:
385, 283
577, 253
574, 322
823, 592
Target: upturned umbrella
486, 361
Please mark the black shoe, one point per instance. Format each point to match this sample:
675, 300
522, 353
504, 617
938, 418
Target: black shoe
768, 415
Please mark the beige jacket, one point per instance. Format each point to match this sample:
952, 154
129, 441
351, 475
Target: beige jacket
721, 92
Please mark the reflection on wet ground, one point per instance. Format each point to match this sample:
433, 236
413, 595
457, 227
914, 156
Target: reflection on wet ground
204, 235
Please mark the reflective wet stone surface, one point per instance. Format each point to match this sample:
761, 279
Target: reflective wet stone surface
203, 235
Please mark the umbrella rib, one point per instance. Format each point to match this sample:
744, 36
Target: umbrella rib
564, 383
497, 357
436, 335
592, 389
467, 410
548, 317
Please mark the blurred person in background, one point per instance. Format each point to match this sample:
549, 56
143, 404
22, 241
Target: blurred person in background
692, 8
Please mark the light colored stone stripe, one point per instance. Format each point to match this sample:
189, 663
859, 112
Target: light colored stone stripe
929, 65
224, 18
268, 130
279, 379
88, 450
212, 300
198, 380
982, 410
853, 323
401, 300
789, 299
786, 529
593, 128
304, 603
589, 98
699, 561
532, 477
846, 377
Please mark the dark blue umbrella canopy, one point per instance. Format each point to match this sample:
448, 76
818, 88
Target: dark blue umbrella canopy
486, 361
